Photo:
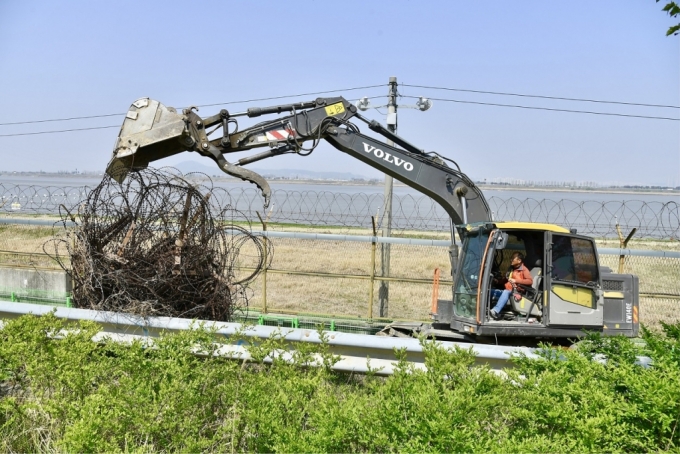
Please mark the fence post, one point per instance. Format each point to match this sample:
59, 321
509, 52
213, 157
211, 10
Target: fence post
264, 268
435, 292
374, 243
623, 243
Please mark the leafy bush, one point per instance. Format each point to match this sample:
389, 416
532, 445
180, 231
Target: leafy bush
59, 391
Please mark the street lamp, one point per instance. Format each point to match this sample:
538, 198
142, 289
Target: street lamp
422, 104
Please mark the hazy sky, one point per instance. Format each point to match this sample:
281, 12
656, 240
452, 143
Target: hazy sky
61, 59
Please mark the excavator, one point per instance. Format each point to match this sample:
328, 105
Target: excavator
570, 292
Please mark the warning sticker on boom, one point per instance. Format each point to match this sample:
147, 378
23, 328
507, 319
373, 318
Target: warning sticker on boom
335, 109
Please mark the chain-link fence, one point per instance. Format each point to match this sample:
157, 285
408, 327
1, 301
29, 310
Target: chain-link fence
659, 220
334, 277
342, 277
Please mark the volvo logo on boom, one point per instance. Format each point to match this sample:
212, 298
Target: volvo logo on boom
378, 153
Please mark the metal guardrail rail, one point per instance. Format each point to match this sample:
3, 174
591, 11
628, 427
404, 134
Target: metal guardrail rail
358, 353
29, 221
361, 238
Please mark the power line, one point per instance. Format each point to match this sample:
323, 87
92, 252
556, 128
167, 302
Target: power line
345, 89
202, 105
87, 129
541, 96
292, 96
61, 119
54, 132
547, 108
377, 86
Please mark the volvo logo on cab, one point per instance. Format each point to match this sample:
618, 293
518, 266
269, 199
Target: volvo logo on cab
378, 153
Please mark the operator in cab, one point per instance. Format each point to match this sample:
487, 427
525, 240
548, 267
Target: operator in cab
518, 275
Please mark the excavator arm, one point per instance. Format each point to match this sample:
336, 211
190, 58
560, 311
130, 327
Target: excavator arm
152, 131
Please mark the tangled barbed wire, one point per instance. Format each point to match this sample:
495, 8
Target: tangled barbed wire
156, 245
652, 219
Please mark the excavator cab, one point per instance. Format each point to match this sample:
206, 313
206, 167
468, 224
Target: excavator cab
484, 266
568, 293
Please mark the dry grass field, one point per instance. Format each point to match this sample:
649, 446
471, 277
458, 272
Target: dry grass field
349, 295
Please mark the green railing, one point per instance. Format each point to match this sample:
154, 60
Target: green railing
36, 296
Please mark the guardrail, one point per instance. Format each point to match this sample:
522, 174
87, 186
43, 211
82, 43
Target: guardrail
358, 353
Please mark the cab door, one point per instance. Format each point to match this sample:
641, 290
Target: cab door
572, 281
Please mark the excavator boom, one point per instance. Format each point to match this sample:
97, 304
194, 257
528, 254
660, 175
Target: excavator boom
152, 131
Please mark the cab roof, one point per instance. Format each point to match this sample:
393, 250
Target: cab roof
516, 225
531, 226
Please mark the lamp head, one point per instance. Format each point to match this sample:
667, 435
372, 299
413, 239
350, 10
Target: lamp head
423, 104
363, 104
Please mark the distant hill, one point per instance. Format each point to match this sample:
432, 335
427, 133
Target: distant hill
193, 166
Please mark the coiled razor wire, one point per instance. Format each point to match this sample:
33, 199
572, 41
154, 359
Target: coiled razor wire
660, 220
155, 245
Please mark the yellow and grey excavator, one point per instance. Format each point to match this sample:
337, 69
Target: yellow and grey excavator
570, 292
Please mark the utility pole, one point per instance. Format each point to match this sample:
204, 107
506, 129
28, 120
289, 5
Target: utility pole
384, 291
364, 103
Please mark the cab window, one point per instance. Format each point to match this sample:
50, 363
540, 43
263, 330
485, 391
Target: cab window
574, 260
503, 258
465, 288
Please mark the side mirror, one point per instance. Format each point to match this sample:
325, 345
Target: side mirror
501, 240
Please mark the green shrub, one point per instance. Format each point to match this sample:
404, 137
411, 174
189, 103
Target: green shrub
59, 391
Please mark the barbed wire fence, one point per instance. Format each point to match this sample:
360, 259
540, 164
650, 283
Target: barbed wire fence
653, 220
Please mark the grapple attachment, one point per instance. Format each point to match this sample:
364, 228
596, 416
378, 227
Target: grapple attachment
150, 131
